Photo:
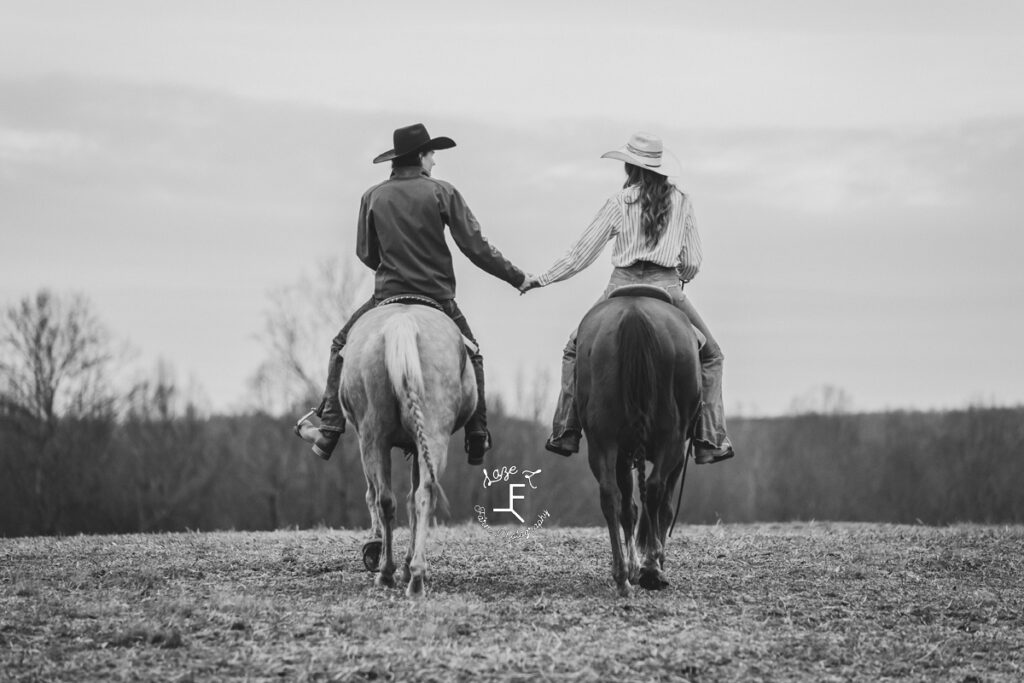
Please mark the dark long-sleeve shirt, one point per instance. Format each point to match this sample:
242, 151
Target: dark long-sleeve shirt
401, 237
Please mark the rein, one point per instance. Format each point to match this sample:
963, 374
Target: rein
682, 483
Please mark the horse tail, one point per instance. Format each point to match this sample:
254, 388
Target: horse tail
638, 379
402, 360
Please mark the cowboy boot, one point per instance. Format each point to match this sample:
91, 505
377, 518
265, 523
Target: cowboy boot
711, 443
478, 438
332, 420
565, 428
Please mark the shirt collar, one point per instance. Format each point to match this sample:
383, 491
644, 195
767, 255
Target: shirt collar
408, 172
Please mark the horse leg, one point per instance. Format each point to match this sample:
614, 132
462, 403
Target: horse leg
651, 575
377, 465
666, 512
602, 464
425, 502
371, 548
410, 506
624, 475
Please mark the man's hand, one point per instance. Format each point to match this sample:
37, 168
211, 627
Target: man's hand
529, 282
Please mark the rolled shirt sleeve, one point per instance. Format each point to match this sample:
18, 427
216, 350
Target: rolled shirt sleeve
691, 255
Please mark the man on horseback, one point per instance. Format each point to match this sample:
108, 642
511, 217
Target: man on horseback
656, 243
401, 237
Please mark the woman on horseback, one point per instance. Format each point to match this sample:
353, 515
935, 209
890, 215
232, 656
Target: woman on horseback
656, 243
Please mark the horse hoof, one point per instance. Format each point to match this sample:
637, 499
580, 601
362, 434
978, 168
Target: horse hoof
385, 581
625, 590
652, 580
371, 554
415, 588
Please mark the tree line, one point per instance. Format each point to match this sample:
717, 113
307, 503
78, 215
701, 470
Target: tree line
79, 455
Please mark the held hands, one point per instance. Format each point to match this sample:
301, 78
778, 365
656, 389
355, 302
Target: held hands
529, 282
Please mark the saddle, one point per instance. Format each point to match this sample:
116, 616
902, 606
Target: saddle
652, 291
420, 300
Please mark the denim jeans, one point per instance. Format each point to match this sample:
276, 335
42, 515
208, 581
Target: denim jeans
331, 416
710, 429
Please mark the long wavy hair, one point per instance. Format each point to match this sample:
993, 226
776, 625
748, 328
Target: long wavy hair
655, 199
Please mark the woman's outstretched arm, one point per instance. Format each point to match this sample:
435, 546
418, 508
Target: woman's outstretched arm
588, 247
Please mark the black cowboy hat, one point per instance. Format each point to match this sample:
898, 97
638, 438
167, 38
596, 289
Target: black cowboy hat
414, 138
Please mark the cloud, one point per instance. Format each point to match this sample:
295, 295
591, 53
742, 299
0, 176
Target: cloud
178, 209
27, 146
23, 152
823, 172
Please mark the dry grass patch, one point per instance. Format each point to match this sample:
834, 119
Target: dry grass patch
752, 602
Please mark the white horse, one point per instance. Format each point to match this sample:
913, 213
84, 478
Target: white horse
406, 382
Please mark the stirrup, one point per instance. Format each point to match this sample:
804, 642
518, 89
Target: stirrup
304, 418
566, 444
708, 456
305, 423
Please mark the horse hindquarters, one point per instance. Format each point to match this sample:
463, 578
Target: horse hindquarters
394, 398
405, 370
646, 391
634, 362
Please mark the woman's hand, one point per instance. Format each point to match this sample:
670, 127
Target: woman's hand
529, 282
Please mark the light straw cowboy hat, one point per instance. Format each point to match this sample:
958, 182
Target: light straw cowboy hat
646, 151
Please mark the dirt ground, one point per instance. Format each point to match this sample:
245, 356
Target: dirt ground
811, 602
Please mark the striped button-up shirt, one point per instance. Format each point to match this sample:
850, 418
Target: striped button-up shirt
620, 219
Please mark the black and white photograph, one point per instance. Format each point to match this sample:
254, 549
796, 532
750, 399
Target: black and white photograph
539, 341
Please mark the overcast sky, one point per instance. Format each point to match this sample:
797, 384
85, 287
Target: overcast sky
856, 169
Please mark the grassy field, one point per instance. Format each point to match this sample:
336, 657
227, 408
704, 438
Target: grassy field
812, 602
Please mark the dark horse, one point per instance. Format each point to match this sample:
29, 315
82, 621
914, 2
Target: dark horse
638, 392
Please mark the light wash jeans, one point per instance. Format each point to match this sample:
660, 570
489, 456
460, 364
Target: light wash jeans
710, 431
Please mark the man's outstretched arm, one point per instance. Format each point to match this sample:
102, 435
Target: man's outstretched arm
470, 240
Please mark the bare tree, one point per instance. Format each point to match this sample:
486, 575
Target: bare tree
54, 361
173, 463
823, 400
54, 354
535, 396
298, 327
